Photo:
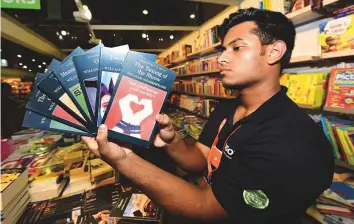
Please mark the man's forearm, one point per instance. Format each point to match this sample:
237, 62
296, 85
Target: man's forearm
170, 192
189, 158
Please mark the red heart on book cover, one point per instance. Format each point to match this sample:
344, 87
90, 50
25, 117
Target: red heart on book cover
136, 107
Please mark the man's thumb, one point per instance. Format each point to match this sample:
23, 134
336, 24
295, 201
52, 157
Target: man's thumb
102, 138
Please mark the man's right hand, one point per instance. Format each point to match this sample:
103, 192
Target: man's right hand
167, 133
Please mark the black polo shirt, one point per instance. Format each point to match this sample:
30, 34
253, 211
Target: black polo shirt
274, 166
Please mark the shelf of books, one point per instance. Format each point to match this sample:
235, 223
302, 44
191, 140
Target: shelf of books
337, 54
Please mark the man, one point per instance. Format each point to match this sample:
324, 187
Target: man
267, 160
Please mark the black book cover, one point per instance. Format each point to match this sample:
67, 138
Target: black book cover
43, 105
136, 207
33, 213
111, 63
87, 65
139, 94
68, 78
52, 88
34, 120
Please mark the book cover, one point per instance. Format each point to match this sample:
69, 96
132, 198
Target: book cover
111, 63
33, 212
43, 105
21, 162
134, 206
87, 66
68, 78
138, 97
34, 120
52, 88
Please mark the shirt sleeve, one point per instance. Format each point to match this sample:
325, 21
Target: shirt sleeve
252, 189
212, 126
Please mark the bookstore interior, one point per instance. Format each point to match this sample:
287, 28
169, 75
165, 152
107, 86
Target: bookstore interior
61, 63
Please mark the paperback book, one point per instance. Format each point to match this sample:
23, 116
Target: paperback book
138, 97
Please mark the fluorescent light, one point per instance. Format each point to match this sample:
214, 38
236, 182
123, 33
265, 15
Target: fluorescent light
63, 32
144, 35
4, 63
43, 63
19, 56
145, 12
172, 37
192, 16
24, 67
60, 37
39, 66
114, 34
57, 33
33, 59
147, 38
29, 70
20, 63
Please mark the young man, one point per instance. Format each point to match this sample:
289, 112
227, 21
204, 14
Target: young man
267, 161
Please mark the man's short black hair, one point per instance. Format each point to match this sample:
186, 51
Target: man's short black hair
271, 26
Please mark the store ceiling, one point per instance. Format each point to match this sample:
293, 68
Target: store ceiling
57, 15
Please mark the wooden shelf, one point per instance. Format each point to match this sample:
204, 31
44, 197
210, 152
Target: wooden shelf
338, 110
303, 15
188, 111
301, 59
306, 106
204, 95
328, 2
204, 52
199, 73
341, 163
338, 54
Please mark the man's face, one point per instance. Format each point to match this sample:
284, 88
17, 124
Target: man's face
242, 60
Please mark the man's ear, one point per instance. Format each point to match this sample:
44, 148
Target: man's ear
276, 52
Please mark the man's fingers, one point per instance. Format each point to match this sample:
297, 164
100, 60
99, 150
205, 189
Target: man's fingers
164, 122
92, 145
102, 140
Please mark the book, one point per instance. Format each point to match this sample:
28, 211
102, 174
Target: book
21, 197
43, 105
137, 208
68, 78
34, 120
12, 181
52, 88
111, 63
33, 212
140, 92
87, 66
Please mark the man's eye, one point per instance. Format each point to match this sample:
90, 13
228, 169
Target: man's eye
237, 48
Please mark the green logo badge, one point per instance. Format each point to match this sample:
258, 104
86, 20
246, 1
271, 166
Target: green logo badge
256, 198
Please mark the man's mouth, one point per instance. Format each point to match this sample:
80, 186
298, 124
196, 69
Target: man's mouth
224, 70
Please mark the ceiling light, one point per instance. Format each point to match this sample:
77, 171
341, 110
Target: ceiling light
39, 66
147, 38
45, 70
43, 63
33, 59
63, 32
192, 16
57, 33
60, 37
16, 15
19, 56
72, 37
29, 70
145, 12
4, 63
171, 37
114, 34
68, 33
144, 35
90, 35
24, 67
20, 63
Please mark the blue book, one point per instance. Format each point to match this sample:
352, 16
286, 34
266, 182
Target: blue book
43, 105
140, 91
87, 65
52, 88
67, 76
34, 120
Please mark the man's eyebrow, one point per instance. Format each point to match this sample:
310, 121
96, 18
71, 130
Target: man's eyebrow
234, 41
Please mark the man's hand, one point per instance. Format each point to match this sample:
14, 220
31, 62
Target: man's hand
167, 133
102, 148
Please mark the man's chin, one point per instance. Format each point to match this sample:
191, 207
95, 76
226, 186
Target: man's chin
233, 86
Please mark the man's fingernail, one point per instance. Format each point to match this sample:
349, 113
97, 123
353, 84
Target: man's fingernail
103, 128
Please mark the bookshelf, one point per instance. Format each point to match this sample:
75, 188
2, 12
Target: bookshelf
338, 54
343, 164
338, 110
205, 95
306, 58
203, 52
304, 15
199, 73
188, 111
305, 106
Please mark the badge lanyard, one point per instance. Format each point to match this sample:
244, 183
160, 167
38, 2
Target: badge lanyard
215, 154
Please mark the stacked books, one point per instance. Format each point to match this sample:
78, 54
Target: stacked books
336, 203
114, 86
14, 194
340, 133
